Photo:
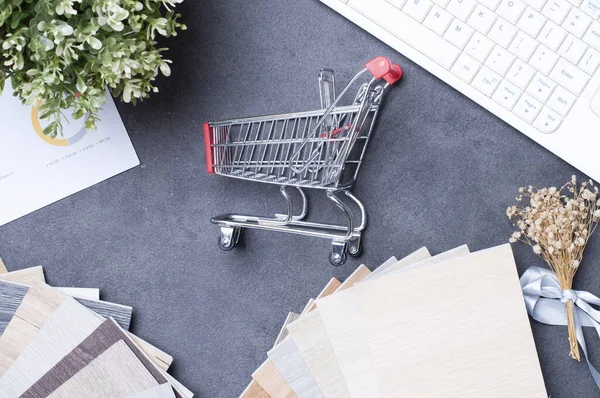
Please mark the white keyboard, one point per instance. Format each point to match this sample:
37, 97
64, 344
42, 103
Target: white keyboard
534, 63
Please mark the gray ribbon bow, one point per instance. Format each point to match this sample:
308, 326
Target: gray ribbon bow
545, 302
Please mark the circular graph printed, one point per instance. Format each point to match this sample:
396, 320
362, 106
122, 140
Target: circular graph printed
73, 130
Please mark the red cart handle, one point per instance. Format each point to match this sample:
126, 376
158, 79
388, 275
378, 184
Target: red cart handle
381, 67
210, 168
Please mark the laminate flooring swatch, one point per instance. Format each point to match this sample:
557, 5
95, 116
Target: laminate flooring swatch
254, 390
101, 339
115, 373
120, 313
163, 391
340, 317
37, 307
473, 357
25, 276
360, 273
3, 269
11, 296
271, 381
70, 324
81, 292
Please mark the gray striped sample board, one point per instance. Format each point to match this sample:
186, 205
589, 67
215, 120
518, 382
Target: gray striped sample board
11, 296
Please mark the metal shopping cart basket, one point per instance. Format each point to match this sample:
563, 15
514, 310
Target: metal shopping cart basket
321, 149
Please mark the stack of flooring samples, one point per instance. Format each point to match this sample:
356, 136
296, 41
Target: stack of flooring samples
452, 325
66, 342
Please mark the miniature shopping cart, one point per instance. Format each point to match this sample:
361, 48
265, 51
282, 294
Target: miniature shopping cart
320, 149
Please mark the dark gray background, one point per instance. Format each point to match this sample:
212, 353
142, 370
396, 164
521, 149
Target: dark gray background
440, 172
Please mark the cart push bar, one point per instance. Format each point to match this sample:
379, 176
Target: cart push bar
319, 149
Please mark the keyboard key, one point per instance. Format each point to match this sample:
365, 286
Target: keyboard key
541, 87
548, 121
592, 37
502, 32
438, 20
592, 8
537, 4
577, 22
511, 10
479, 47
544, 59
486, 81
397, 3
569, 76
466, 67
459, 33
507, 94
552, 36
561, 101
531, 22
417, 9
527, 108
523, 46
491, 4
500, 60
520, 74
557, 10
404, 27
573, 49
590, 61
482, 19
461, 9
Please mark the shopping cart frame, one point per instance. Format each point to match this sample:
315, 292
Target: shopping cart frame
336, 131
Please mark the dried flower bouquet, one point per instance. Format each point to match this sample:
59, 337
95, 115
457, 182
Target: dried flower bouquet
557, 224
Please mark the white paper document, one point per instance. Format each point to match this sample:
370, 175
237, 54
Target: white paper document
36, 170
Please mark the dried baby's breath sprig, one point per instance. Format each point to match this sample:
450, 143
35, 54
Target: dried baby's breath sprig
557, 224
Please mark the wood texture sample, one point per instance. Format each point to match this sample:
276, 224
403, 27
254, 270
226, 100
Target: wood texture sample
25, 276
115, 373
271, 381
11, 296
162, 391
37, 307
101, 339
120, 313
254, 390
289, 362
340, 316
291, 317
81, 292
360, 273
3, 269
486, 348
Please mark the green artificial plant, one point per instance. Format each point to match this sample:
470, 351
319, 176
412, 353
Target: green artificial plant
62, 54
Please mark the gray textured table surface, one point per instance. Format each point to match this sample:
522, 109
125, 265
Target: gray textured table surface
440, 172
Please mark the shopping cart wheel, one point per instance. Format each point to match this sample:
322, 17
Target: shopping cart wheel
337, 256
229, 238
354, 247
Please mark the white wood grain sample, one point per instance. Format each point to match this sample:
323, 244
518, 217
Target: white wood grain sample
70, 324
311, 340
341, 318
25, 276
85, 293
467, 335
286, 357
161, 391
115, 373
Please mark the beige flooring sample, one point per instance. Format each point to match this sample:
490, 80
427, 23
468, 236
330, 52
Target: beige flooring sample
468, 334
38, 306
70, 324
254, 390
340, 316
3, 269
161, 391
115, 373
360, 273
271, 381
25, 276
